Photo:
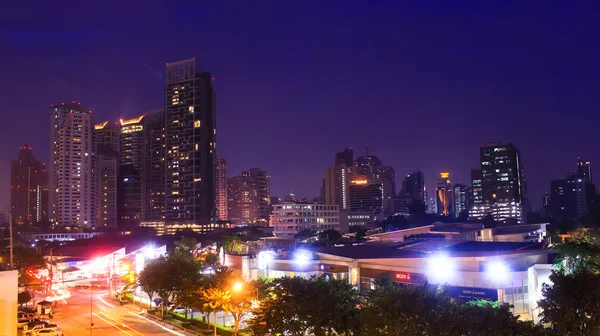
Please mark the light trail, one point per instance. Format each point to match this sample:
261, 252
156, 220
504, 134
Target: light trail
122, 324
163, 327
112, 324
103, 301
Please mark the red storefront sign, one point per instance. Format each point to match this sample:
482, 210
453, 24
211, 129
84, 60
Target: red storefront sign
403, 276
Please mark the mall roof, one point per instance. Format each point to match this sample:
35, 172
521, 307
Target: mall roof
371, 251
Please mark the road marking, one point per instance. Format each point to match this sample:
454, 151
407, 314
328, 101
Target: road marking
112, 324
164, 328
122, 324
106, 303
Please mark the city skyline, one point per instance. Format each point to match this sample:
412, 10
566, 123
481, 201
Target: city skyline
475, 82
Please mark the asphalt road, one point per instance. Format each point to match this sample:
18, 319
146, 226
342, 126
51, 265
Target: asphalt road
108, 318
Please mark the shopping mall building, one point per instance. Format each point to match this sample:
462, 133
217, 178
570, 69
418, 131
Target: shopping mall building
506, 271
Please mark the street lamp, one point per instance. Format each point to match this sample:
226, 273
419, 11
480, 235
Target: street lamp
238, 286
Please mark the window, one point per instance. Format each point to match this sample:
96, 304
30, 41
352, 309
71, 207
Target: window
196, 123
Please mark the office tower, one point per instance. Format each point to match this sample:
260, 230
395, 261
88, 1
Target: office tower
366, 201
571, 197
368, 164
73, 198
28, 188
584, 169
262, 180
106, 136
371, 168
190, 144
221, 184
336, 179
291, 218
461, 199
503, 183
153, 186
443, 192
477, 209
413, 187
130, 184
243, 200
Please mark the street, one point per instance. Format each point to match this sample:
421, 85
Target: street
108, 318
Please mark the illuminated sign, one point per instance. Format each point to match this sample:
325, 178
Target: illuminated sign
403, 276
360, 181
445, 175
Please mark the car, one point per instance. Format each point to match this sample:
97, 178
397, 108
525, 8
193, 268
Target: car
24, 315
181, 310
36, 328
48, 332
33, 324
22, 322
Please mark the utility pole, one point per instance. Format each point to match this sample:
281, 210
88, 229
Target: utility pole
10, 227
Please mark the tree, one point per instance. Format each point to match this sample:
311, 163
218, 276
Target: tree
577, 255
572, 304
24, 297
240, 303
331, 236
24, 261
151, 279
305, 233
214, 300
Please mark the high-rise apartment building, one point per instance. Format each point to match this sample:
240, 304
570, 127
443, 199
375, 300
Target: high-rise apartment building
336, 181
262, 180
503, 182
243, 200
221, 185
367, 201
571, 197
73, 197
190, 133
131, 170
28, 188
584, 169
460, 196
477, 209
443, 192
153, 184
413, 187
291, 218
107, 135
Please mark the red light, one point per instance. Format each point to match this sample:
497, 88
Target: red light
403, 276
213, 78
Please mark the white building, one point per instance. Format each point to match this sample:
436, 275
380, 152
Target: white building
8, 303
72, 166
289, 218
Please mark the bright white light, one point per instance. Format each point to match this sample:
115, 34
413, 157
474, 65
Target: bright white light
264, 257
139, 263
302, 257
149, 251
441, 268
497, 270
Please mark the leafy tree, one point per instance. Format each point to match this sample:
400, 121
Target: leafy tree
214, 300
151, 279
331, 236
564, 225
577, 255
572, 304
239, 304
187, 294
227, 241
297, 306
24, 260
24, 297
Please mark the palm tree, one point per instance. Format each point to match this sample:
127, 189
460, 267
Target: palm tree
214, 300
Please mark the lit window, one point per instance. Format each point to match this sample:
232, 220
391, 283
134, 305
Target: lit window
191, 109
196, 123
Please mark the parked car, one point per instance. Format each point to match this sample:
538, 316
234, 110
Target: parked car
48, 332
182, 310
38, 327
24, 315
22, 322
33, 324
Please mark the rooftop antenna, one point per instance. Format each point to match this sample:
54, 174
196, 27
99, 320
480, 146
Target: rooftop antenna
367, 148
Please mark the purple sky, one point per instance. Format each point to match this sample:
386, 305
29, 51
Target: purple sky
424, 85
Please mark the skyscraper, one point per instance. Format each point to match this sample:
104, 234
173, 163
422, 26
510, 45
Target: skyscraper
373, 169
262, 180
413, 187
190, 133
443, 192
243, 199
73, 197
28, 188
131, 163
221, 184
153, 186
461, 199
584, 169
503, 182
366, 201
477, 209
106, 136
336, 179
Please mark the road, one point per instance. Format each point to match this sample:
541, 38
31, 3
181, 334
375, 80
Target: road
108, 318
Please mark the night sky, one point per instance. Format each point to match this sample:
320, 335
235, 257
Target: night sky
425, 85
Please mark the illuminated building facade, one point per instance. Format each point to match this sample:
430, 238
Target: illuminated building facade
290, 218
413, 187
366, 201
443, 191
262, 180
571, 197
28, 188
460, 196
107, 135
153, 183
503, 182
244, 198
335, 183
131, 163
190, 139
477, 209
221, 185
584, 169
73, 178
